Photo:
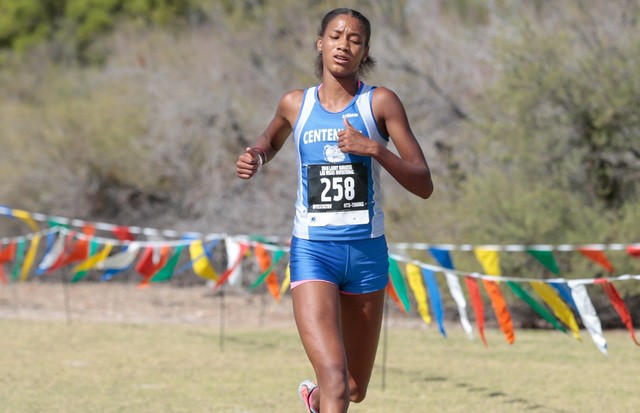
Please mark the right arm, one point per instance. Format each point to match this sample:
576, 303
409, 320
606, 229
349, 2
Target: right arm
273, 138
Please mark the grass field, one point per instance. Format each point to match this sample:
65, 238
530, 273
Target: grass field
55, 367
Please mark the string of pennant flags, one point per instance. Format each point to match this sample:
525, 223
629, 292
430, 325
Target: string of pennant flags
76, 244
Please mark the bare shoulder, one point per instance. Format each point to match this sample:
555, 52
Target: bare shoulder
385, 103
382, 95
388, 110
290, 104
292, 99
293, 96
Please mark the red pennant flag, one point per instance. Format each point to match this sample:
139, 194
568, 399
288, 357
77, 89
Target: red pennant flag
243, 249
598, 257
61, 259
145, 264
478, 306
77, 251
147, 268
500, 309
394, 296
123, 233
6, 254
634, 251
618, 304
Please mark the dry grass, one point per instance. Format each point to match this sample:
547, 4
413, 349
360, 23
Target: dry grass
160, 362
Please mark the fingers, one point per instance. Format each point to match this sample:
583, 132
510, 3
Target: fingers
346, 123
348, 136
247, 165
345, 132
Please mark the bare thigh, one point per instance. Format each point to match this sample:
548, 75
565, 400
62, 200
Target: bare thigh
361, 317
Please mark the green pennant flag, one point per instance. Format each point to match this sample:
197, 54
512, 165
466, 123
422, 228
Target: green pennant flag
261, 239
19, 257
276, 256
398, 283
93, 247
546, 258
166, 272
544, 313
54, 223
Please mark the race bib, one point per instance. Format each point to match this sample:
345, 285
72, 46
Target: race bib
338, 194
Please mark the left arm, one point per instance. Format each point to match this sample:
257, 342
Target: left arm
410, 169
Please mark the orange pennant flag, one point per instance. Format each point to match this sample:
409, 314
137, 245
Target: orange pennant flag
500, 309
598, 257
491, 264
264, 260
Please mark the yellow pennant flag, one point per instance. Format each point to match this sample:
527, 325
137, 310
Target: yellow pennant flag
285, 282
92, 261
26, 217
28, 260
558, 306
414, 274
201, 265
489, 260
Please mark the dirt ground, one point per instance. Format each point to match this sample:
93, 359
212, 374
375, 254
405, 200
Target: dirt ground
122, 302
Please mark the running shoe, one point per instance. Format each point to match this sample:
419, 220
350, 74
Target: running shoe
304, 390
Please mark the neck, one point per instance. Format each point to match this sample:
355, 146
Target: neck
341, 85
336, 93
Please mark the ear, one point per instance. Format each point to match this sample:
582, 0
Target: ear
319, 44
366, 54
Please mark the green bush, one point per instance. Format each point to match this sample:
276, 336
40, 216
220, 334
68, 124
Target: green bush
24, 23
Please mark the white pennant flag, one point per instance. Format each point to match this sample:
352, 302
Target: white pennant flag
588, 313
121, 260
233, 250
54, 253
458, 296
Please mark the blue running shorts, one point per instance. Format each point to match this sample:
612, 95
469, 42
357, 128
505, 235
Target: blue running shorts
356, 267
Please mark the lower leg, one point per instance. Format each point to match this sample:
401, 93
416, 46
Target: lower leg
317, 313
334, 396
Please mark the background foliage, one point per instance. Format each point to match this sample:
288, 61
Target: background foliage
135, 112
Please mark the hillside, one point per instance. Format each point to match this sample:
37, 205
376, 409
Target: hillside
527, 112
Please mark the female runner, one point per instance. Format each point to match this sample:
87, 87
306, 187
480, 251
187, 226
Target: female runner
338, 255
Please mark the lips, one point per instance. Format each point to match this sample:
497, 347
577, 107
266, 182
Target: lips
341, 58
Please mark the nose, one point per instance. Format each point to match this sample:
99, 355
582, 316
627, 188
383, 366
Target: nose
343, 44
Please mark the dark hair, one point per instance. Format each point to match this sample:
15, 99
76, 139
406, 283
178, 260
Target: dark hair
367, 65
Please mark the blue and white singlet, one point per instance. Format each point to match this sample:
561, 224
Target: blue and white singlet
338, 193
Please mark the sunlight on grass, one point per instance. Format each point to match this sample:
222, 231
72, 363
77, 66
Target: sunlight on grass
103, 367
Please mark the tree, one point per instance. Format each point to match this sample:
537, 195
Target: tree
566, 108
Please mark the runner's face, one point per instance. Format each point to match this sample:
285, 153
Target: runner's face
343, 45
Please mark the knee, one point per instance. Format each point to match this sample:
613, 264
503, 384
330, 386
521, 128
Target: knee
357, 394
333, 380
